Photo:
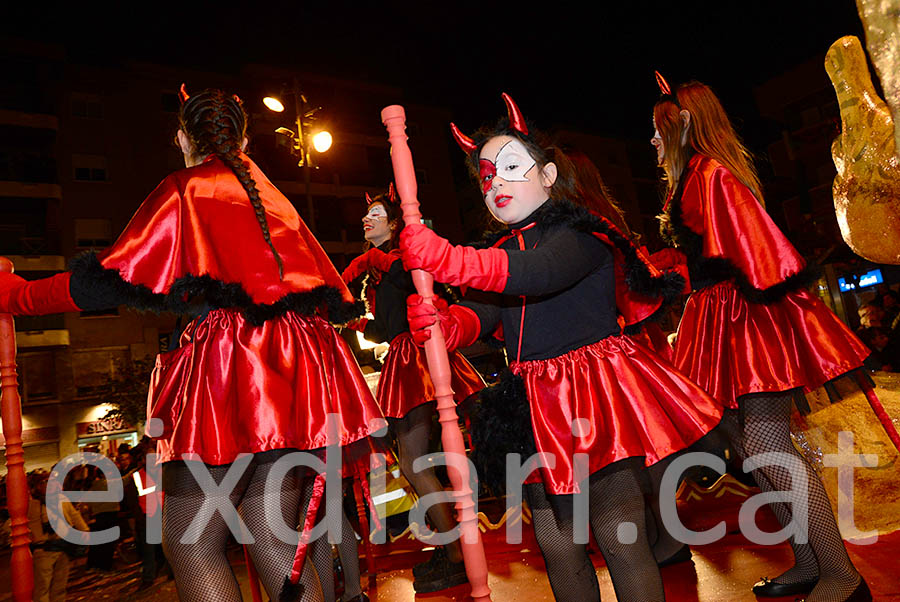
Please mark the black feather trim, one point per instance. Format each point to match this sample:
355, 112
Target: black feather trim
96, 287
290, 592
706, 271
638, 277
500, 425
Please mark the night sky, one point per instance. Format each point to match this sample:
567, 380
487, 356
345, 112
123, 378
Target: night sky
585, 68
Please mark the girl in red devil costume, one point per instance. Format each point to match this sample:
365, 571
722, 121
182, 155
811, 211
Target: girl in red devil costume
405, 391
596, 404
257, 372
751, 334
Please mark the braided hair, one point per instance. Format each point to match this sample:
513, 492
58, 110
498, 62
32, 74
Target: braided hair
216, 123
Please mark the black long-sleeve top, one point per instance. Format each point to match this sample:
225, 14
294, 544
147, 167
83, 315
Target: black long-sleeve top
390, 304
568, 281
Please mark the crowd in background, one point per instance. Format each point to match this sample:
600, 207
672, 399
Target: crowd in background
879, 328
55, 556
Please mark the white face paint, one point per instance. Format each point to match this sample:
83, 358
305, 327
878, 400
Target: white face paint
513, 162
376, 228
657, 143
512, 184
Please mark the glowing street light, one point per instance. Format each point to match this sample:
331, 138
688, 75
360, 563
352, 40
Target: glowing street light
322, 141
273, 104
304, 116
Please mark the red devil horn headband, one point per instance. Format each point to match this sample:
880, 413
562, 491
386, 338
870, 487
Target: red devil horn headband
391, 196
663, 84
183, 95
516, 120
464, 142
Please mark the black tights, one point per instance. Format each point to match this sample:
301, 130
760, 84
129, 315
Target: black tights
763, 425
413, 435
614, 499
202, 571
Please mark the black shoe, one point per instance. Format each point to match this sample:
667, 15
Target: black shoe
438, 558
682, 555
769, 589
860, 594
449, 574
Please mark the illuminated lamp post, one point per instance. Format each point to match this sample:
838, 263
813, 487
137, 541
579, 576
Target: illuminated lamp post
303, 140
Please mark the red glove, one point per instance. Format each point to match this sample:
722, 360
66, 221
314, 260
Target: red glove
358, 324
371, 258
673, 259
484, 269
459, 325
21, 297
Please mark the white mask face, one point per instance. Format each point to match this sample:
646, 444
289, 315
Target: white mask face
376, 228
511, 182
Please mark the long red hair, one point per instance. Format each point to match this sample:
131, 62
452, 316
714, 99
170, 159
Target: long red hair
709, 132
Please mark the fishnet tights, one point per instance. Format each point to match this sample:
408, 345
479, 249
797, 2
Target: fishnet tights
805, 566
322, 558
202, 571
766, 428
615, 498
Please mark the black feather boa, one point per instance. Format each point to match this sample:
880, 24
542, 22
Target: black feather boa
500, 425
638, 277
706, 271
96, 287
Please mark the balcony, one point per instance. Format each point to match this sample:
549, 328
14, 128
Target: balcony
29, 190
29, 339
29, 120
41, 331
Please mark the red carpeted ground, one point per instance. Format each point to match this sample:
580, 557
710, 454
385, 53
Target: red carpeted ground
720, 572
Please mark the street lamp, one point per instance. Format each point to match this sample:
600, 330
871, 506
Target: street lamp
304, 118
321, 140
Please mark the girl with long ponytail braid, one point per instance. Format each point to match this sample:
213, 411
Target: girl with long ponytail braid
260, 371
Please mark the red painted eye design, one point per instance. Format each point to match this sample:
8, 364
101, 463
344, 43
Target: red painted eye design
486, 171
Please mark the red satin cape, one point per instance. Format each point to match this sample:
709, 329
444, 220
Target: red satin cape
734, 226
245, 389
405, 382
630, 402
732, 347
199, 222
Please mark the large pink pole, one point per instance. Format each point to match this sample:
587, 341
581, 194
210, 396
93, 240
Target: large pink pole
16, 487
394, 119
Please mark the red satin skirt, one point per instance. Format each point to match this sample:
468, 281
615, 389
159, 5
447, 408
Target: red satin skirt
405, 382
237, 388
732, 347
613, 399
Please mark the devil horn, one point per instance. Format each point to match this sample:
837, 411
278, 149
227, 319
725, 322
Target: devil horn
663, 84
392, 193
369, 200
183, 94
516, 120
464, 142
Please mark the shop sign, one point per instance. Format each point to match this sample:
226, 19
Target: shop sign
107, 426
